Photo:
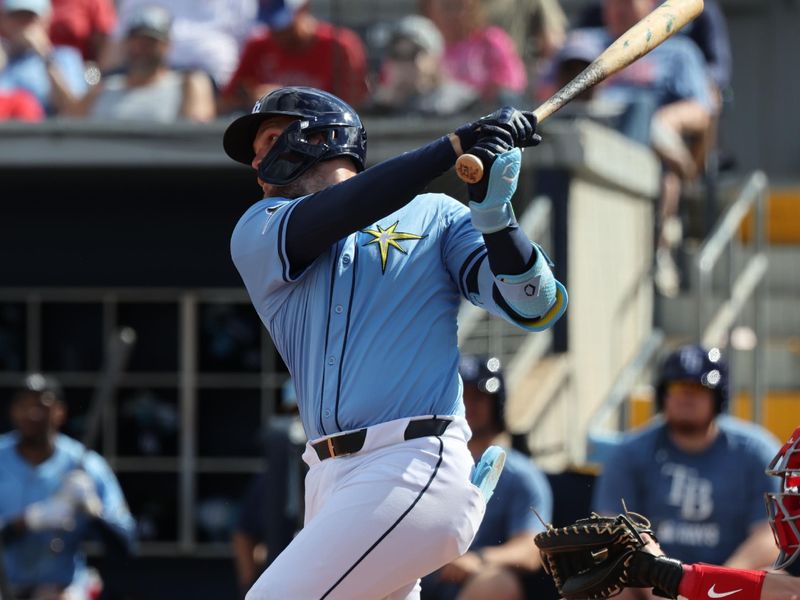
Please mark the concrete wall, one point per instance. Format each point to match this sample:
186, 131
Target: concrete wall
611, 184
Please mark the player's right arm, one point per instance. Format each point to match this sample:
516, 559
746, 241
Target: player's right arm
323, 218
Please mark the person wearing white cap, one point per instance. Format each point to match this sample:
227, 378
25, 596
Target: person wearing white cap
207, 35
148, 89
412, 79
53, 74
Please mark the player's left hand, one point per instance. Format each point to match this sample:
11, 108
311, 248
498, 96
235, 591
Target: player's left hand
79, 489
462, 568
487, 149
514, 127
52, 513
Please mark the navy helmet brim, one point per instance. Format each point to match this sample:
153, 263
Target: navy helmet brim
240, 134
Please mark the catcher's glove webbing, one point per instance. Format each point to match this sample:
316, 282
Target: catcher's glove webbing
594, 558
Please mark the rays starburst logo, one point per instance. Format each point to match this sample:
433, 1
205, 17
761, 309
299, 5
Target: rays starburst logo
389, 238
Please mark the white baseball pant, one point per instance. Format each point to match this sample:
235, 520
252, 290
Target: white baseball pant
378, 520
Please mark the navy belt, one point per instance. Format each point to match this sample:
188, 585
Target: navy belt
350, 443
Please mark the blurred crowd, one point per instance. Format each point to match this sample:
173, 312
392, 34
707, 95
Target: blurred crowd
176, 60
164, 60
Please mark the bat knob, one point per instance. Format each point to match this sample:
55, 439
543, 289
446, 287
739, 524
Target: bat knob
469, 168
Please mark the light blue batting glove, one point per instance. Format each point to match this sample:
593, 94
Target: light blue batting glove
495, 213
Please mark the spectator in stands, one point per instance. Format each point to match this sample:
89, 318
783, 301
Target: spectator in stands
206, 36
19, 105
148, 89
631, 116
52, 74
500, 562
696, 473
411, 78
538, 27
272, 508
672, 84
83, 24
54, 493
298, 49
476, 53
709, 31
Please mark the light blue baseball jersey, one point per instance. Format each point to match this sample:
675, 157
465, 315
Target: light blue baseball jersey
521, 490
53, 556
701, 505
368, 330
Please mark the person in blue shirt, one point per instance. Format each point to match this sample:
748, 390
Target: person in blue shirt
271, 509
358, 276
696, 473
709, 31
53, 74
667, 101
54, 493
500, 560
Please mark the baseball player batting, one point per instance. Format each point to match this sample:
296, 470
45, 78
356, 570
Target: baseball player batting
357, 274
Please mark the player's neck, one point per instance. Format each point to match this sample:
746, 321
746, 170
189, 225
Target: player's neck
694, 440
36, 452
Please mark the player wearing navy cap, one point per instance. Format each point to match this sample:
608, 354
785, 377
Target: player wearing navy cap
358, 275
695, 472
499, 564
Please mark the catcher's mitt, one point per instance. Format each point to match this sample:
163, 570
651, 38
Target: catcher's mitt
592, 557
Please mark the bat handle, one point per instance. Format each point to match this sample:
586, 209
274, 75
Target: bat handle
469, 167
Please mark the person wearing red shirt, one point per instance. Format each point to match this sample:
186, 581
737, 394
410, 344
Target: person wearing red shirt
83, 24
297, 49
19, 105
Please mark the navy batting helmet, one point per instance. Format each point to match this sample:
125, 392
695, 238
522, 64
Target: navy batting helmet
705, 366
293, 154
486, 373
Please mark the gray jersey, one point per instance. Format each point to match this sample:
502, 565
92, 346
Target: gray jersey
159, 102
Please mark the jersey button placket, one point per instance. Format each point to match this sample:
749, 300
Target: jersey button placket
337, 331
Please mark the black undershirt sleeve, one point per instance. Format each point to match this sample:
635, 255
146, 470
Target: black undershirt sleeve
509, 251
325, 217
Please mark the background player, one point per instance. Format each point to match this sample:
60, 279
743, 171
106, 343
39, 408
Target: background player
700, 581
53, 495
358, 279
696, 474
499, 562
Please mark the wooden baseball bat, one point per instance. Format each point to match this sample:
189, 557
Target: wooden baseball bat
640, 39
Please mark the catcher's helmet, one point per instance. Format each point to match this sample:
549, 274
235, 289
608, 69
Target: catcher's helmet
705, 366
486, 373
293, 154
783, 508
